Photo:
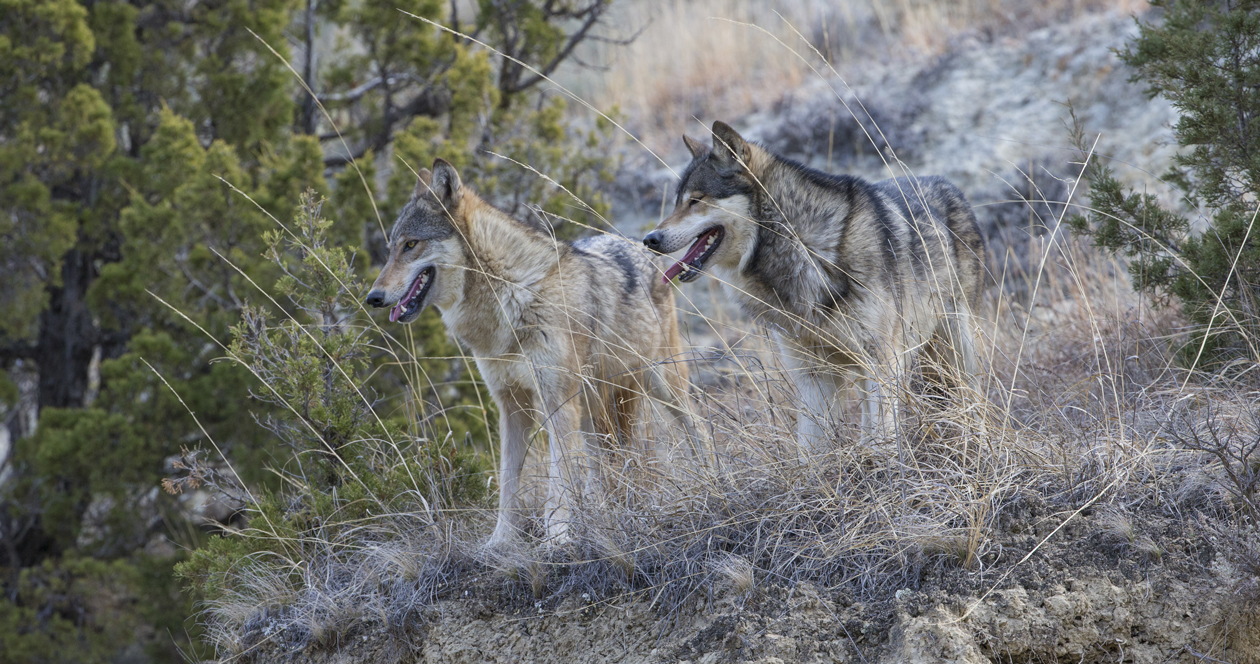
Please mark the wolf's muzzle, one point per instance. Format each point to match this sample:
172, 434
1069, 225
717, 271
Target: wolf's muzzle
376, 298
653, 241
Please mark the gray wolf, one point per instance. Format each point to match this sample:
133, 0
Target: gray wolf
567, 336
853, 278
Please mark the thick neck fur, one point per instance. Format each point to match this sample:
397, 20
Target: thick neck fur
504, 260
798, 253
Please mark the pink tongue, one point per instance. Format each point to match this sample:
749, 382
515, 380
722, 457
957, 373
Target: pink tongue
673, 271
694, 252
397, 311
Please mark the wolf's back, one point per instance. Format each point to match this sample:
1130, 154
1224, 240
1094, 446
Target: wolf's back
933, 199
637, 270
634, 305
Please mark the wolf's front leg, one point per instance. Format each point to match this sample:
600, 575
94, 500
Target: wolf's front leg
515, 419
568, 467
817, 392
876, 419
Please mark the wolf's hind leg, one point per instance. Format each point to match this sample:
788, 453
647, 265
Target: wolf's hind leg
959, 333
596, 446
661, 392
569, 465
957, 330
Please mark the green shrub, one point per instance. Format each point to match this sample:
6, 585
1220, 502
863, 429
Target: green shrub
348, 468
144, 152
1204, 57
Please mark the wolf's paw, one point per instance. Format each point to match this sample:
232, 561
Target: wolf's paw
558, 535
504, 538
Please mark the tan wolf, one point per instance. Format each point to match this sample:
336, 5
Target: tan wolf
853, 278
574, 337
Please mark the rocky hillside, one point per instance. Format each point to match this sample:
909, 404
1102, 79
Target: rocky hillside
991, 116
1080, 593
1061, 576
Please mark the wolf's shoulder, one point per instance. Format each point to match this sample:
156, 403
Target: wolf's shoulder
609, 247
838, 182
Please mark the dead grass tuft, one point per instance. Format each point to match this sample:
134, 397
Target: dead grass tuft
1080, 406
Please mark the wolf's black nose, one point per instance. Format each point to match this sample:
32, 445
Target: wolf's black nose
376, 298
653, 241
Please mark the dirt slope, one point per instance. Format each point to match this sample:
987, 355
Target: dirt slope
1056, 584
1077, 594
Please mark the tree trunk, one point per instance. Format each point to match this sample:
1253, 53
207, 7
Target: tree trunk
67, 336
309, 109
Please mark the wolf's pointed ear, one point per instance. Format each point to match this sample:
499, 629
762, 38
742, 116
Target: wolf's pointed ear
696, 148
730, 150
446, 184
423, 184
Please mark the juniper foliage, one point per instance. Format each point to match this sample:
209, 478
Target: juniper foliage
146, 150
1204, 57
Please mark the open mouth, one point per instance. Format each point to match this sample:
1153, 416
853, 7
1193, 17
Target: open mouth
413, 301
691, 264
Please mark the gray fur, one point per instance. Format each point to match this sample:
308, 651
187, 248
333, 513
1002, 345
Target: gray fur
852, 276
421, 219
636, 266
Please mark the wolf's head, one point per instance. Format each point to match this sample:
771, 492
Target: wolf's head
714, 206
424, 248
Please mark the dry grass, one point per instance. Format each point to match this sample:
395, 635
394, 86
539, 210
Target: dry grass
1081, 404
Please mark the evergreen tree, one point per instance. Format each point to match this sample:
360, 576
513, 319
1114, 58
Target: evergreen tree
146, 150
1204, 57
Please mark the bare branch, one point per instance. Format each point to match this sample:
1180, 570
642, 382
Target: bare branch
593, 13
430, 102
356, 93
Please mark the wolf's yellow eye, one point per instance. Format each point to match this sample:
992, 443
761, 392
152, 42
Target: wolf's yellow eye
411, 244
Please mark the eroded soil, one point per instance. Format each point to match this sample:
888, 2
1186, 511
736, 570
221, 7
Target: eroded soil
1083, 592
